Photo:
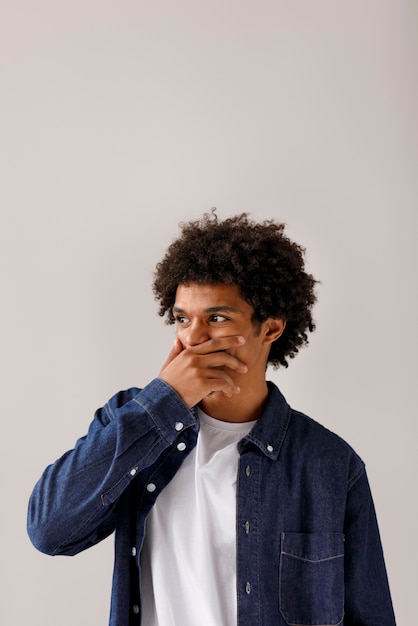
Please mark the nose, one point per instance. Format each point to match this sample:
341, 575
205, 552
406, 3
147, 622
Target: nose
196, 334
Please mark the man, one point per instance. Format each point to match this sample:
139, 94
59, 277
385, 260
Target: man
228, 506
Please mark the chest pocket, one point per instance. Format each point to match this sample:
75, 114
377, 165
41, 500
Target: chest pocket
311, 579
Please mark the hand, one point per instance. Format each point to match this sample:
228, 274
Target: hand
197, 371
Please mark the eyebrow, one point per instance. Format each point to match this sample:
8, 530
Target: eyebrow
212, 309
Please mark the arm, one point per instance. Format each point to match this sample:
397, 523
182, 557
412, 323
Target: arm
368, 601
73, 504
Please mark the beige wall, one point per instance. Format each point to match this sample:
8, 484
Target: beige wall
120, 119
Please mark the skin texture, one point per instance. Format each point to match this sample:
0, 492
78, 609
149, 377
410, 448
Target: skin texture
220, 354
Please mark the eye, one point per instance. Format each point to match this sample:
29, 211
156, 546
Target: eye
218, 318
181, 319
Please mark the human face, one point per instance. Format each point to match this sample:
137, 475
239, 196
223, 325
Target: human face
204, 312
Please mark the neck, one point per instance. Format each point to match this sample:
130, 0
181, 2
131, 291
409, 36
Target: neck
245, 406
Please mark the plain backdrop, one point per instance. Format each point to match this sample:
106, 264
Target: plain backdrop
121, 119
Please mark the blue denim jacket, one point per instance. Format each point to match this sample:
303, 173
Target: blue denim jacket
308, 546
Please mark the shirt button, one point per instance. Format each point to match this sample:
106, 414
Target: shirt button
248, 470
134, 551
133, 471
270, 448
135, 609
247, 527
151, 487
179, 426
248, 588
181, 446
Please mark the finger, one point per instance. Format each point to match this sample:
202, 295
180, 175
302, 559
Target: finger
224, 359
219, 344
221, 382
174, 352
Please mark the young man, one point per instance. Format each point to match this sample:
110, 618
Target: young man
229, 507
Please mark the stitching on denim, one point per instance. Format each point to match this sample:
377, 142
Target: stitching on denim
282, 552
106, 493
280, 438
308, 624
280, 577
126, 475
89, 519
151, 413
256, 528
166, 387
258, 537
237, 557
352, 481
306, 560
103, 504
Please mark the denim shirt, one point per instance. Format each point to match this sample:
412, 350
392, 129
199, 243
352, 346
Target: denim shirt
308, 546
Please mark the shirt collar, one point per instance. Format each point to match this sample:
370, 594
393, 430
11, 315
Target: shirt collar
270, 429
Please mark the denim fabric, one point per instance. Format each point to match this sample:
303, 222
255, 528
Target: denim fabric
308, 546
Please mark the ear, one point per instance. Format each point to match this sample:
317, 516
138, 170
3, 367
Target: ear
274, 327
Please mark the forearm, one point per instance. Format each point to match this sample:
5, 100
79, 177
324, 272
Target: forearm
72, 505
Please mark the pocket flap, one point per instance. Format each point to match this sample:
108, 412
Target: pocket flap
311, 578
313, 546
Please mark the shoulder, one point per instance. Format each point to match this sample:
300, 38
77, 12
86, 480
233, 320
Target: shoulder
316, 443
304, 431
308, 427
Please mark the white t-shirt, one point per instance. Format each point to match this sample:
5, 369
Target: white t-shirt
189, 555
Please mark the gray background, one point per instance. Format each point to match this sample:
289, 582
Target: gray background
119, 120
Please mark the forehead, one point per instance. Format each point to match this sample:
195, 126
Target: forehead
207, 296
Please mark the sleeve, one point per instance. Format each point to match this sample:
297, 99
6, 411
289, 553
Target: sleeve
73, 504
367, 596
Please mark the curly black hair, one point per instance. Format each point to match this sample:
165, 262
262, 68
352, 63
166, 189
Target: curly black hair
265, 264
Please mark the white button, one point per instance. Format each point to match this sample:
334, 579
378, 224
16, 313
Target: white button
134, 551
247, 527
151, 487
248, 470
270, 448
248, 588
135, 609
179, 426
181, 446
133, 471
